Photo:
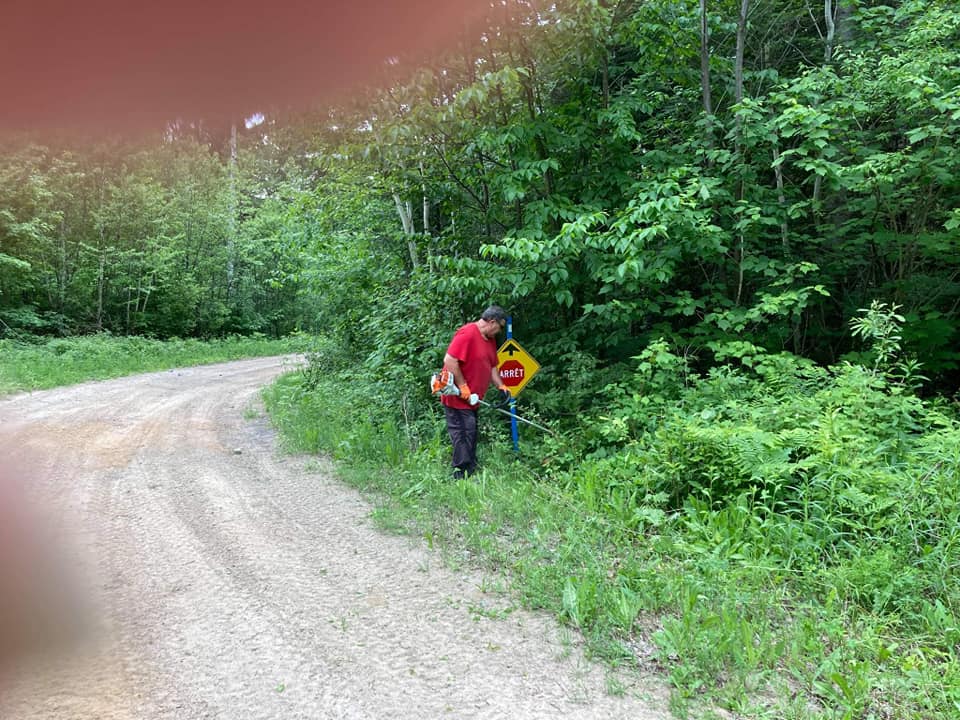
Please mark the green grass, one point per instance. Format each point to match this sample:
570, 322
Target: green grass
735, 604
65, 361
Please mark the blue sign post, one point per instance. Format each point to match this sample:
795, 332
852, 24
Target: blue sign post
516, 368
513, 400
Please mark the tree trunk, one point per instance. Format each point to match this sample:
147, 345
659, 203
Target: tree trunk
831, 30
146, 295
738, 93
828, 18
100, 283
406, 214
705, 78
781, 200
705, 66
127, 317
426, 216
103, 257
232, 210
405, 210
605, 77
741, 43
487, 225
132, 321
62, 277
426, 202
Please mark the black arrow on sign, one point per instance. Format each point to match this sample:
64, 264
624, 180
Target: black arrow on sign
511, 349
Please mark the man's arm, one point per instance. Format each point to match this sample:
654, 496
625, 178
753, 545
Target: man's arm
453, 365
496, 379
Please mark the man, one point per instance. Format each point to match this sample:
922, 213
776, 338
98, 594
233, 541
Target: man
472, 359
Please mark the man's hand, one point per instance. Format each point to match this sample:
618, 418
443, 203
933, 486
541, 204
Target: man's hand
503, 397
465, 392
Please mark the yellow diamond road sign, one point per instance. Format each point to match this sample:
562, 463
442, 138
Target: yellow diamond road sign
516, 366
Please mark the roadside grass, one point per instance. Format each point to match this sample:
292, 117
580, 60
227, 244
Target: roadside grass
722, 601
64, 361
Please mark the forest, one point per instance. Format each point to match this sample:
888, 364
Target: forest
728, 230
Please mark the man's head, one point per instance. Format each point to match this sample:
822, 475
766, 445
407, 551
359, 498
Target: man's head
492, 321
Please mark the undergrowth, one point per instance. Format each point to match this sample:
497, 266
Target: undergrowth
776, 539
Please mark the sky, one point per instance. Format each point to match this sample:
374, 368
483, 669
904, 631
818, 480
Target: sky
129, 64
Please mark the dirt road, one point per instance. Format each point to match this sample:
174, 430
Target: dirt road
228, 581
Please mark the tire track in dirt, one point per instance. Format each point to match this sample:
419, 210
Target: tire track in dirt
251, 585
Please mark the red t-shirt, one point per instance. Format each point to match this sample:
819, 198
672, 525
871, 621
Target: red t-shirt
477, 357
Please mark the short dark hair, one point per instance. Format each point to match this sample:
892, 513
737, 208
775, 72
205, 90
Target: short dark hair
494, 312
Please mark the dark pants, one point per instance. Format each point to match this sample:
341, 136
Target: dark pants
462, 426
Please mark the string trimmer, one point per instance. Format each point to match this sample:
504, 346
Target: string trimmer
442, 383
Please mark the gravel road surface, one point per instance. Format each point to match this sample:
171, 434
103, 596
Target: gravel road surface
222, 579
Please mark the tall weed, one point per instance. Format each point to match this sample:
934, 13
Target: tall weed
838, 483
